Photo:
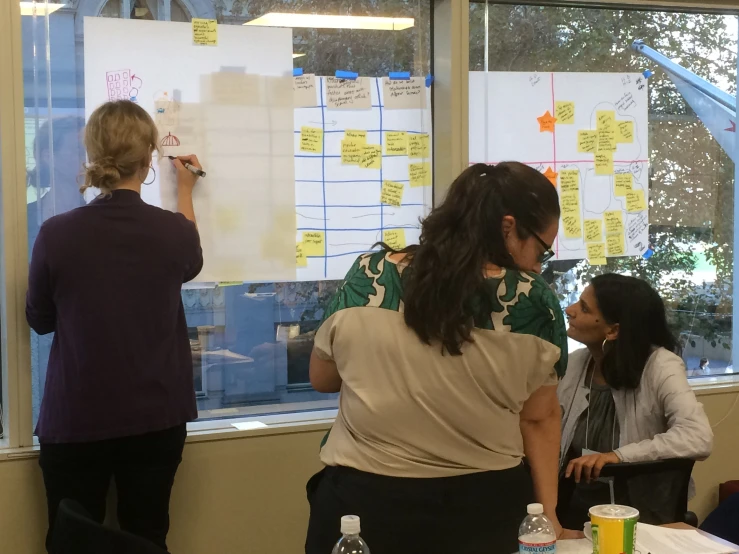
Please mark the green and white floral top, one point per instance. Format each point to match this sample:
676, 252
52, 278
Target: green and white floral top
406, 409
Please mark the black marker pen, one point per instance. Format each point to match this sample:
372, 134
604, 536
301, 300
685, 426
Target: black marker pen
193, 169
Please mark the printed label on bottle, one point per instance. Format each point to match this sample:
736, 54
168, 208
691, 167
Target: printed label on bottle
526, 548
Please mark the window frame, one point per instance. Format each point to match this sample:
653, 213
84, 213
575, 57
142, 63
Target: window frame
450, 67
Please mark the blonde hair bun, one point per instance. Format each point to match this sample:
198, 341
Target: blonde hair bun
120, 138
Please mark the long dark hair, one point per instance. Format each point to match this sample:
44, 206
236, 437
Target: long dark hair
640, 314
444, 280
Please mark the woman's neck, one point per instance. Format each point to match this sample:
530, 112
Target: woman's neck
132, 183
596, 356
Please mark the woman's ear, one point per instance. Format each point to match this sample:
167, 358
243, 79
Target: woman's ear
612, 332
508, 225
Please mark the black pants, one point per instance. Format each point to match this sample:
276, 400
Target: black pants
470, 514
143, 466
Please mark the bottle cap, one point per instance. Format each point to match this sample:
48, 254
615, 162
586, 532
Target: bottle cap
535, 509
350, 525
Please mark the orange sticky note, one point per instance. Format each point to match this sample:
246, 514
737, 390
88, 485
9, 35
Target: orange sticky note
546, 122
551, 175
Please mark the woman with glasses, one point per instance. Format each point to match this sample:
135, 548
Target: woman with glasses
625, 398
447, 355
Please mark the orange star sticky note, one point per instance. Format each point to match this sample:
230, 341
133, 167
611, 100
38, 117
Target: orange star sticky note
546, 122
551, 175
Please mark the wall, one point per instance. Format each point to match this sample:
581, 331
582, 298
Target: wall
247, 495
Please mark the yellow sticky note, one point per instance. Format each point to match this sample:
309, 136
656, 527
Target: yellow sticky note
623, 183
614, 222
418, 145
301, 259
593, 230
587, 141
596, 250
605, 120
570, 203
564, 112
615, 245
314, 243
351, 152
420, 174
569, 180
205, 31
311, 140
625, 131
371, 157
356, 136
604, 163
392, 193
572, 225
394, 238
396, 143
597, 261
635, 201
607, 140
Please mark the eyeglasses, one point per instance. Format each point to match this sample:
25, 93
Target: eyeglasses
548, 253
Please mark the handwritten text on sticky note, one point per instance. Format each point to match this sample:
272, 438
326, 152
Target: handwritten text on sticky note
392, 193
605, 120
569, 180
205, 31
418, 145
593, 230
301, 260
351, 152
587, 141
615, 244
371, 157
565, 113
396, 143
311, 140
356, 135
394, 238
614, 222
625, 131
596, 250
348, 94
314, 243
604, 163
623, 183
635, 201
420, 174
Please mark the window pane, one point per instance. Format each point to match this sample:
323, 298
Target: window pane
690, 177
250, 342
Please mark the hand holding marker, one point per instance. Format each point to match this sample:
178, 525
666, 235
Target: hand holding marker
194, 170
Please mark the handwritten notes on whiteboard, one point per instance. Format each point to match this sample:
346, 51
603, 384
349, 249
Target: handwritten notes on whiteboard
593, 230
205, 32
301, 260
304, 91
371, 157
570, 204
351, 152
635, 201
404, 94
622, 183
569, 180
348, 94
392, 193
587, 141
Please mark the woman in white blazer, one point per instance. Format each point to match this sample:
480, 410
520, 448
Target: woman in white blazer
625, 396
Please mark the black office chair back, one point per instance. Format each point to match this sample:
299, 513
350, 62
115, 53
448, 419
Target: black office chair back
659, 490
75, 532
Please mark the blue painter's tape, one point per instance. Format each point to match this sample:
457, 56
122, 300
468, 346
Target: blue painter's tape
429, 80
647, 73
346, 75
400, 75
297, 72
648, 254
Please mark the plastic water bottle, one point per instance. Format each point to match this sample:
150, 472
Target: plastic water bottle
536, 533
351, 542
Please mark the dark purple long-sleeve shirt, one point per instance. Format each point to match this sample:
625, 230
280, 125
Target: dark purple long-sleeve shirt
106, 279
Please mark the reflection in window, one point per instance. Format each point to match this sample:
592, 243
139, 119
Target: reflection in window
691, 178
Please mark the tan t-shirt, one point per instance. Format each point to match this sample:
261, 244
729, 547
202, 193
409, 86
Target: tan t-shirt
406, 409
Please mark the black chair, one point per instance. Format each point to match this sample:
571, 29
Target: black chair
724, 520
659, 490
75, 532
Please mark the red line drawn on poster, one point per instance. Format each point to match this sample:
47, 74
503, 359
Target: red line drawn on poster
122, 85
170, 140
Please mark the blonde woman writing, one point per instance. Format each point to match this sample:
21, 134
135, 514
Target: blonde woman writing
106, 278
